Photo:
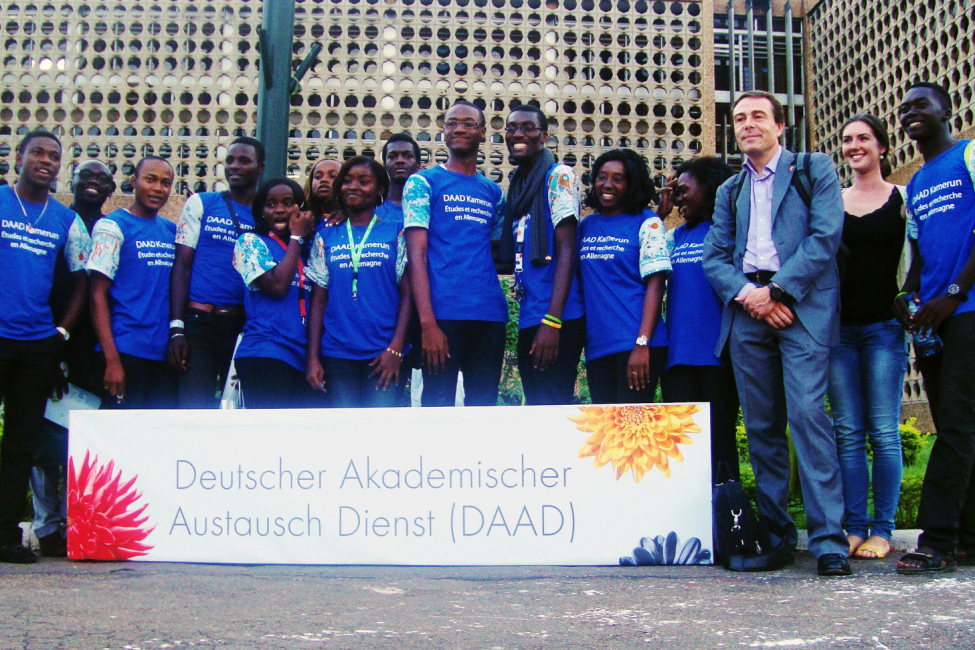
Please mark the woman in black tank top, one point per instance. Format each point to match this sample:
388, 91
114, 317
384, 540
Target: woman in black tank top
867, 366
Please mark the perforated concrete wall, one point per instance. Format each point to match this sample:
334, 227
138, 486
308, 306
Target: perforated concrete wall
178, 78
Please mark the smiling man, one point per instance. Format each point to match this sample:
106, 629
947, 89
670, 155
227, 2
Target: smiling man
771, 257
452, 213
132, 254
34, 231
540, 241
206, 301
941, 223
92, 184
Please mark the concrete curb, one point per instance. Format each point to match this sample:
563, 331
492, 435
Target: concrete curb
901, 540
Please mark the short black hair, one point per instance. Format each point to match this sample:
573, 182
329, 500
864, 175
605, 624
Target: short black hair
378, 170
939, 91
528, 108
33, 135
251, 142
709, 171
138, 165
402, 137
778, 112
261, 226
464, 102
640, 192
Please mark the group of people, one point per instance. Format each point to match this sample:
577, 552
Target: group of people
779, 289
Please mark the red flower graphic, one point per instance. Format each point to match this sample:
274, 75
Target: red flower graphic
100, 526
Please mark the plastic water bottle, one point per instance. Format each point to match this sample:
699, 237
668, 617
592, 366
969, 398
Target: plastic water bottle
926, 342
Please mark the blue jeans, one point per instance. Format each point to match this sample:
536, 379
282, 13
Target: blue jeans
866, 374
49, 487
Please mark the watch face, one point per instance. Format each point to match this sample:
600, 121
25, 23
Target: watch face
953, 289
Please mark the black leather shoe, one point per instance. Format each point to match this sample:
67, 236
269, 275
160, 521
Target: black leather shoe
833, 564
17, 554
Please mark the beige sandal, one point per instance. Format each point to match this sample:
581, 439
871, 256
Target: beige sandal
872, 546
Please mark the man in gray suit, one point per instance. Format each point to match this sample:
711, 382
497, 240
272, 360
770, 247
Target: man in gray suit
771, 257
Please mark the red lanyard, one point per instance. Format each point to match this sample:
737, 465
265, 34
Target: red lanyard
301, 278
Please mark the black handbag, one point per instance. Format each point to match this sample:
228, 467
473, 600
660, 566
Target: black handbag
740, 541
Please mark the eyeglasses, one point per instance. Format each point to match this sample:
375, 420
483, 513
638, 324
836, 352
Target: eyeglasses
527, 129
86, 175
456, 124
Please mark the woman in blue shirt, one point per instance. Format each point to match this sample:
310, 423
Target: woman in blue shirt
623, 262
270, 358
360, 305
693, 373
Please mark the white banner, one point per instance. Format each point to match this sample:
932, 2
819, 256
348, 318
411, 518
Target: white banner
473, 486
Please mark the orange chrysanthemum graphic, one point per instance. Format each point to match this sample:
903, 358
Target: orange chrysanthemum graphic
637, 438
100, 523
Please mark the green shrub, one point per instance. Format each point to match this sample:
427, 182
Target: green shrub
912, 441
906, 516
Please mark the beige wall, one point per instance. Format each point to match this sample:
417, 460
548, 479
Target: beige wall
175, 72
863, 56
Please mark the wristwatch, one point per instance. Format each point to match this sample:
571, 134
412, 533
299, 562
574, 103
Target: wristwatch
299, 239
776, 292
955, 291
642, 341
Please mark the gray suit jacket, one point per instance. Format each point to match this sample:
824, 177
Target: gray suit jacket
806, 240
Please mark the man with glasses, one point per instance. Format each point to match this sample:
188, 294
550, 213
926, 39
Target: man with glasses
93, 185
539, 240
452, 214
206, 294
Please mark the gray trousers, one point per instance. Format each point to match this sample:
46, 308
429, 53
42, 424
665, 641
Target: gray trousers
781, 377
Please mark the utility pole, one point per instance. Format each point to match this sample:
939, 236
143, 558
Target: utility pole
274, 97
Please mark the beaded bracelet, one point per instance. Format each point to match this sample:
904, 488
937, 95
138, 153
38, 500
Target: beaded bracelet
394, 352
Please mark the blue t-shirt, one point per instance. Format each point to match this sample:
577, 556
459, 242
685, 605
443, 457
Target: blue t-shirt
461, 214
693, 308
363, 327
616, 255
941, 217
275, 328
390, 211
536, 282
137, 255
29, 247
206, 225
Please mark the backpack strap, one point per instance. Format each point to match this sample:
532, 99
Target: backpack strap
736, 192
233, 213
805, 169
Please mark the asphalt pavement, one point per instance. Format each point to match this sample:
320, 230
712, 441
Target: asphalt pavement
59, 604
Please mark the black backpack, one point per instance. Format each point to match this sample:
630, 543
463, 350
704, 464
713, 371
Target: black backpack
740, 541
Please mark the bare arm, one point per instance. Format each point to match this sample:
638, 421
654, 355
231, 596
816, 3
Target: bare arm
387, 364
314, 373
545, 347
638, 368
435, 349
76, 301
101, 318
178, 351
